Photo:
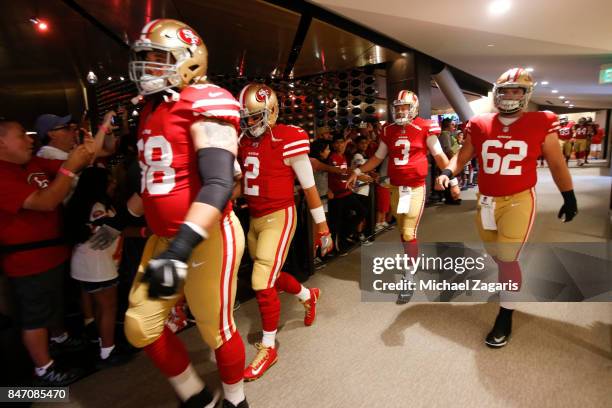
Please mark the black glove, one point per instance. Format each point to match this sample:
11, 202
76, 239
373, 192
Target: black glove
569, 209
167, 272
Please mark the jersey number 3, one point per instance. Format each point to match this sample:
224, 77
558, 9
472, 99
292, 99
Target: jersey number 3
494, 163
405, 145
158, 177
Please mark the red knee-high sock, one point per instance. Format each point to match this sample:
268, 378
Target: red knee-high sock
269, 307
509, 271
287, 283
168, 354
411, 248
230, 359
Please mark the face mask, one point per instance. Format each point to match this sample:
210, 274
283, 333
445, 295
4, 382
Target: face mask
151, 83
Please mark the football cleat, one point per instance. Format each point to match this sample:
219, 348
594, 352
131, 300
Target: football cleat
243, 404
203, 399
404, 297
500, 334
266, 357
310, 306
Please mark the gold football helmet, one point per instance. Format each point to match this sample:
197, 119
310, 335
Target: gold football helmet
259, 109
513, 78
403, 116
168, 54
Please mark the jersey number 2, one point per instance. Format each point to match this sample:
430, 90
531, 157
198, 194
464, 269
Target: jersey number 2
252, 165
493, 162
157, 175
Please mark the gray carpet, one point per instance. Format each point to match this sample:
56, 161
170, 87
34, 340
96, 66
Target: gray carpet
421, 355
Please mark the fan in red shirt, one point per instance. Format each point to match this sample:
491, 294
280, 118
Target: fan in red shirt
407, 142
187, 144
31, 239
507, 145
271, 157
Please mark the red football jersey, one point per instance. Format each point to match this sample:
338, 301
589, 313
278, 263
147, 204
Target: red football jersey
337, 183
582, 131
168, 161
507, 155
268, 181
565, 132
408, 151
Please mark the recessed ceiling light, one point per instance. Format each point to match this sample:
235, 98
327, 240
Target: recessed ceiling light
566, 101
490, 45
404, 54
529, 69
571, 106
562, 97
544, 82
499, 7
555, 91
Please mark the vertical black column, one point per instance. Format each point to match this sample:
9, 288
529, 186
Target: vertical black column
422, 64
400, 75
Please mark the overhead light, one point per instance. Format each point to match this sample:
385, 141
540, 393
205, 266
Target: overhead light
92, 78
499, 7
529, 69
561, 97
490, 45
381, 111
555, 91
134, 112
566, 101
40, 25
571, 106
122, 78
404, 54
544, 82
110, 78
291, 85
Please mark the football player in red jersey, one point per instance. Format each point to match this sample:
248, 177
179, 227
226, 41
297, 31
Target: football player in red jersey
581, 132
271, 156
566, 136
187, 143
507, 145
407, 142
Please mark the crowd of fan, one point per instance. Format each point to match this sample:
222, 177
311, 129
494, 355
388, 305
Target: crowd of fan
99, 173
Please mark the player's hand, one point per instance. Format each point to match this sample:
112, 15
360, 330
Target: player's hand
104, 236
165, 276
569, 209
442, 182
351, 181
324, 243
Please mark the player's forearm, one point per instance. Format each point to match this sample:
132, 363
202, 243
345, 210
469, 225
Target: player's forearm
458, 161
203, 215
311, 195
441, 161
371, 164
316, 208
561, 175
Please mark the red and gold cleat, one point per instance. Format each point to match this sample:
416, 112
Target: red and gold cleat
310, 306
266, 357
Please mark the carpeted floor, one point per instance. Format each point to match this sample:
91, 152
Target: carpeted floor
420, 355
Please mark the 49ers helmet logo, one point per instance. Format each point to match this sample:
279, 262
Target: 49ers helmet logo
189, 37
262, 94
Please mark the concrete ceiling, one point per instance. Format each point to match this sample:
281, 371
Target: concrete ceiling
565, 41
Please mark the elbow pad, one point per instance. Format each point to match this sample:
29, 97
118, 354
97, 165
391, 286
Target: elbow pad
216, 167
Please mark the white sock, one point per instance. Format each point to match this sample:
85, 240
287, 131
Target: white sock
88, 320
105, 351
234, 393
304, 294
187, 384
268, 339
40, 371
61, 338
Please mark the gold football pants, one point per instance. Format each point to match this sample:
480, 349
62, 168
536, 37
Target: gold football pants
210, 288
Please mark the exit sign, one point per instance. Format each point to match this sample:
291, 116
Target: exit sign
605, 74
